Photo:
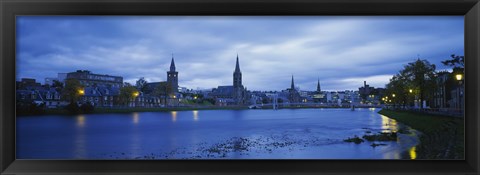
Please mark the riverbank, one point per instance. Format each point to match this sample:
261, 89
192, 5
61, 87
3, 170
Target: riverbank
442, 138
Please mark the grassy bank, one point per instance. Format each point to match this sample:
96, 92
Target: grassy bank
443, 137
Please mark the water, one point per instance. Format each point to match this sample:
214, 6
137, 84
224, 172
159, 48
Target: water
212, 134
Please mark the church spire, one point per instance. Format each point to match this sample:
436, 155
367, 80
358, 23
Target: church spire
237, 67
172, 65
293, 84
318, 85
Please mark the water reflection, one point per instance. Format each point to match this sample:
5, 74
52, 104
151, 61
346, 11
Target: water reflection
195, 115
389, 124
80, 120
174, 116
136, 117
413, 153
80, 151
393, 154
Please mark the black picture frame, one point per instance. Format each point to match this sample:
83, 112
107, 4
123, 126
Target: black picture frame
11, 8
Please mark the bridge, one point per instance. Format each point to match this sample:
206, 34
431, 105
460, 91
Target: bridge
310, 105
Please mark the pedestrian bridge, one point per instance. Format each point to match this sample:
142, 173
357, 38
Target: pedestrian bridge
313, 105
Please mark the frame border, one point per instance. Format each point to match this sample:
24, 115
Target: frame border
11, 8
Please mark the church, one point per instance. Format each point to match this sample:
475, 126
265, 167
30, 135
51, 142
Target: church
167, 89
293, 95
232, 95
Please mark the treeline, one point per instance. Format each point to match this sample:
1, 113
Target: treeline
418, 81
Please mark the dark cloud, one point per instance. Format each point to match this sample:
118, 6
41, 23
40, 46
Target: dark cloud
340, 51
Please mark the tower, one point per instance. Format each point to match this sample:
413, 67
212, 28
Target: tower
292, 88
238, 90
293, 96
172, 79
237, 76
318, 86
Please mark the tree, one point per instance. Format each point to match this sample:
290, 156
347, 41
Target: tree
456, 61
87, 108
57, 84
399, 86
127, 94
419, 76
141, 84
73, 90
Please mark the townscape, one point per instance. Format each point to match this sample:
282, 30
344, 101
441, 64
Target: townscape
240, 87
87, 91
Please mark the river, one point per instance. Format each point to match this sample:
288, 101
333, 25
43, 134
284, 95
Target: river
213, 134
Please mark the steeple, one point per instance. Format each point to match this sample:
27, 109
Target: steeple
172, 65
237, 67
239, 90
318, 86
293, 85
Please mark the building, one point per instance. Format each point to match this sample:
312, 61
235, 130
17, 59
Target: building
50, 81
26, 83
239, 92
449, 92
172, 79
62, 77
87, 78
370, 95
163, 92
318, 95
100, 96
443, 89
365, 91
293, 96
47, 96
232, 95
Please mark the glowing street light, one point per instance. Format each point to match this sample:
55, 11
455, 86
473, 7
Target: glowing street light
81, 92
459, 77
411, 91
135, 94
393, 95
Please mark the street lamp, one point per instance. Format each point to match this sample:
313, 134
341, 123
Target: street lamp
393, 95
411, 91
459, 77
81, 92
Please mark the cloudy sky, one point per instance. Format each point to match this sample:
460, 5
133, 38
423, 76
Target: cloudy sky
340, 51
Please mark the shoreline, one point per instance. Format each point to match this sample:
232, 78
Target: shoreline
442, 137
